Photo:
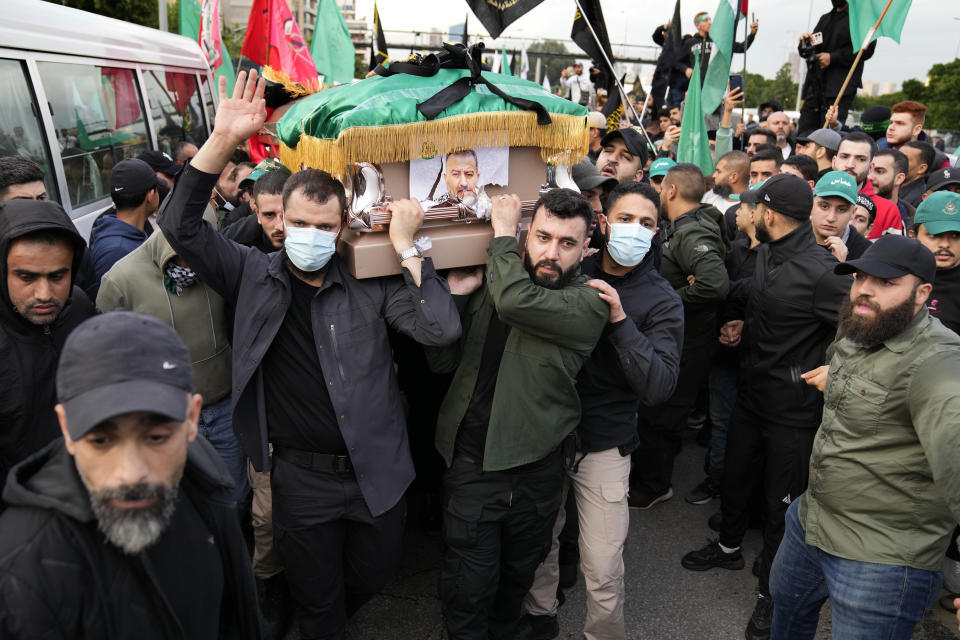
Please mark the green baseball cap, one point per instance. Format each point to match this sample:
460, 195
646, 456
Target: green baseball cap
939, 213
261, 169
837, 183
736, 196
660, 167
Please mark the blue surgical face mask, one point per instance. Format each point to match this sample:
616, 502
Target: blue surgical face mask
309, 249
629, 243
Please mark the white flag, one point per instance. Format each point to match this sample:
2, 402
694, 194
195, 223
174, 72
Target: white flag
524, 62
546, 83
495, 65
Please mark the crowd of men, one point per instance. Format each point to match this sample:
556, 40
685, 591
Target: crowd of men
204, 415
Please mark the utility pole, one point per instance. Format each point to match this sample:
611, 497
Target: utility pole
162, 15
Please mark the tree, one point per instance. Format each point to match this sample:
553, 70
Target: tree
137, 11
941, 94
782, 88
552, 65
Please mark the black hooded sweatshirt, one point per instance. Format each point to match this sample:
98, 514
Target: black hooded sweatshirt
60, 577
28, 352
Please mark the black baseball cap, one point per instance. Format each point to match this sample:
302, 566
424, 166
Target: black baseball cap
942, 177
132, 176
587, 176
892, 256
784, 193
122, 362
632, 139
159, 161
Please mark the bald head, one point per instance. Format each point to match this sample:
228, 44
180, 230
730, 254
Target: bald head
779, 123
736, 164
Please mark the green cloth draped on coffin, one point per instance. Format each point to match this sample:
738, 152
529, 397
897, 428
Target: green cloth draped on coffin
376, 120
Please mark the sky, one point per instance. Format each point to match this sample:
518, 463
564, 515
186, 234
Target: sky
930, 35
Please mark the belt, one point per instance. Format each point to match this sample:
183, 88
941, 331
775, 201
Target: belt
315, 461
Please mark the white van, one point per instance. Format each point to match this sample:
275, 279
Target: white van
82, 92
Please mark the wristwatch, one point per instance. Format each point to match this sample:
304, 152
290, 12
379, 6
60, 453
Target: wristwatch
406, 254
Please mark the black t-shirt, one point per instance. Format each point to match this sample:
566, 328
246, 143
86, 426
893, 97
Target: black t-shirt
944, 300
187, 565
472, 435
300, 414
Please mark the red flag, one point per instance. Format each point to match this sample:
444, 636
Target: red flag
273, 39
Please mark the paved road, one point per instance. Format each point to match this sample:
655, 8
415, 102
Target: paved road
665, 601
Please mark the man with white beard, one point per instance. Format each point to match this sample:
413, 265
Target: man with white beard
125, 526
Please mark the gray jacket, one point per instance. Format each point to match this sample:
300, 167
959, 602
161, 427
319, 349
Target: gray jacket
350, 319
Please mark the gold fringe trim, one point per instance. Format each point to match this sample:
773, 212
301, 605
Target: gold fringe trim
565, 141
294, 89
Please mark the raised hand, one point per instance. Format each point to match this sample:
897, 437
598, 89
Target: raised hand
507, 210
406, 216
242, 115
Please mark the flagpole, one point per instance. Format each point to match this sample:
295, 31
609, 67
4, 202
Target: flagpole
856, 61
613, 74
743, 78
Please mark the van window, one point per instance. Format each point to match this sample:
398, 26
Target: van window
98, 116
21, 133
175, 108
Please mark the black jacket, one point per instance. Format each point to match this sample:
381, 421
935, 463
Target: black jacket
835, 27
636, 360
350, 321
248, 232
944, 301
29, 353
60, 578
790, 318
741, 263
856, 244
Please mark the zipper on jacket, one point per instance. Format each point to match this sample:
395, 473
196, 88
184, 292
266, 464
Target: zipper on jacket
336, 351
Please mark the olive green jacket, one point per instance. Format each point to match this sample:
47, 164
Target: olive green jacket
553, 332
885, 470
198, 314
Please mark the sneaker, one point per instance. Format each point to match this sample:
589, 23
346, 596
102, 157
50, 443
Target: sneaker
711, 557
716, 522
759, 626
703, 492
642, 500
696, 419
533, 627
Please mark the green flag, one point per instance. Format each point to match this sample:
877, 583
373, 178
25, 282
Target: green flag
504, 67
331, 49
864, 15
694, 146
718, 71
190, 19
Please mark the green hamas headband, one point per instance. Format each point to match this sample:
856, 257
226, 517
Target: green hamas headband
701, 19
874, 127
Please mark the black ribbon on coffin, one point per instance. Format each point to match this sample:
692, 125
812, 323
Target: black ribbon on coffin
456, 56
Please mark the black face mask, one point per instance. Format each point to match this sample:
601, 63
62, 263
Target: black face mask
838, 4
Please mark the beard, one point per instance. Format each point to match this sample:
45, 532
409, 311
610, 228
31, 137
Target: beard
760, 230
884, 191
28, 313
868, 332
722, 189
557, 282
133, 530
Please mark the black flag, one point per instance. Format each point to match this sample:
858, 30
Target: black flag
497, 15
463, 40
584, 38
613, 108
378, 45
671, 49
